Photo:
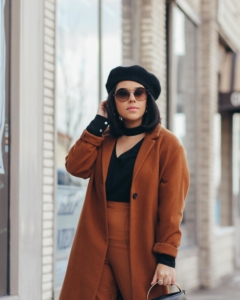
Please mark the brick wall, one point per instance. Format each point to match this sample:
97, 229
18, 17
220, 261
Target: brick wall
48, 151
207, 108
126, 32
153, 45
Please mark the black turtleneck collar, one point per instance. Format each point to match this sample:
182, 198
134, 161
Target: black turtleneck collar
133, 131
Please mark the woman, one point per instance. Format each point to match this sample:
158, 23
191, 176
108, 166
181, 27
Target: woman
129, 230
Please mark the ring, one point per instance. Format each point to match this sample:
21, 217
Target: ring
160, 280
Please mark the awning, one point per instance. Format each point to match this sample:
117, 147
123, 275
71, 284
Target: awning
229, 83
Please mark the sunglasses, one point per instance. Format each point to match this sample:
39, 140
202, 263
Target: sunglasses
123, 94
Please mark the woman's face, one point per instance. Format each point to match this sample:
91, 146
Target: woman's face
132, 110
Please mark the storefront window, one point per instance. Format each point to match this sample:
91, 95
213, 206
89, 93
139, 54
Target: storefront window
77, 102
111, 38
182, 112
4, 144
217, 166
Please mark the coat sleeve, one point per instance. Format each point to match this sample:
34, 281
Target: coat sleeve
173, 188
82, 156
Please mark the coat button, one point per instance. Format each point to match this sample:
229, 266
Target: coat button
135, 196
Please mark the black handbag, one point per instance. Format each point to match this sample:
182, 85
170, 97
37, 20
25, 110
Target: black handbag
180, 295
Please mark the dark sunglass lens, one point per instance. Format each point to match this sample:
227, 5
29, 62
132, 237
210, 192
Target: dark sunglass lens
122, 95
140, 94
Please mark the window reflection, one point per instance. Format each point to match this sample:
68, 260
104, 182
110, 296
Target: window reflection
77, 102
77, 65
112, 38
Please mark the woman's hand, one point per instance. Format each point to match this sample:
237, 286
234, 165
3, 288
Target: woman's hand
102, 111
165, 275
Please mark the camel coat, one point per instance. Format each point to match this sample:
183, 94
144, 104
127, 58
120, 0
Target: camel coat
159, 187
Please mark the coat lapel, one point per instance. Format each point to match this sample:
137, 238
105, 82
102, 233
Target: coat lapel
148, 143
107, 150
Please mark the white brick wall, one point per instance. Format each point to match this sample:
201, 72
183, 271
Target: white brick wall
126, 32
48, 151
207, 109
153, 46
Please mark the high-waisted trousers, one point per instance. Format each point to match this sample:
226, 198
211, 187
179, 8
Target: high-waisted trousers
116, 269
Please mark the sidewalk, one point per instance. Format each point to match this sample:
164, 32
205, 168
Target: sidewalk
228, 289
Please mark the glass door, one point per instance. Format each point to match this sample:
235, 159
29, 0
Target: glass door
4, 144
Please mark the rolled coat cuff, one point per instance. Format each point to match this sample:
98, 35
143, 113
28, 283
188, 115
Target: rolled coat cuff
166, 259
166, 249
90, 138
98, 125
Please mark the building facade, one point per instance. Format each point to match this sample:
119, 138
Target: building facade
55, 56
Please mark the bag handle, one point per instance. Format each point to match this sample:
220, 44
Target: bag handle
180, 290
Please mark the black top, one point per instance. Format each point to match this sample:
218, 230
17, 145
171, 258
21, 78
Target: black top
119, 177
120, 170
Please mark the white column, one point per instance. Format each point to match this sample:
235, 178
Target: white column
26, 149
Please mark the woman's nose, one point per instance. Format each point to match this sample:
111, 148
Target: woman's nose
132, 97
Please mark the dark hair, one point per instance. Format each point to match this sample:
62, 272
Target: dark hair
150, 120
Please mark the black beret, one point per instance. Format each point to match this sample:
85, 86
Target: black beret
134, 73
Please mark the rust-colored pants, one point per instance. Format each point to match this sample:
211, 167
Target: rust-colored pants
116, 270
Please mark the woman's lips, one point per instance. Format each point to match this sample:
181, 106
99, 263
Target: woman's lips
132, 108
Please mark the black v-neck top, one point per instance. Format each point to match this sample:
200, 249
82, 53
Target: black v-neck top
120, 171
119, 177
